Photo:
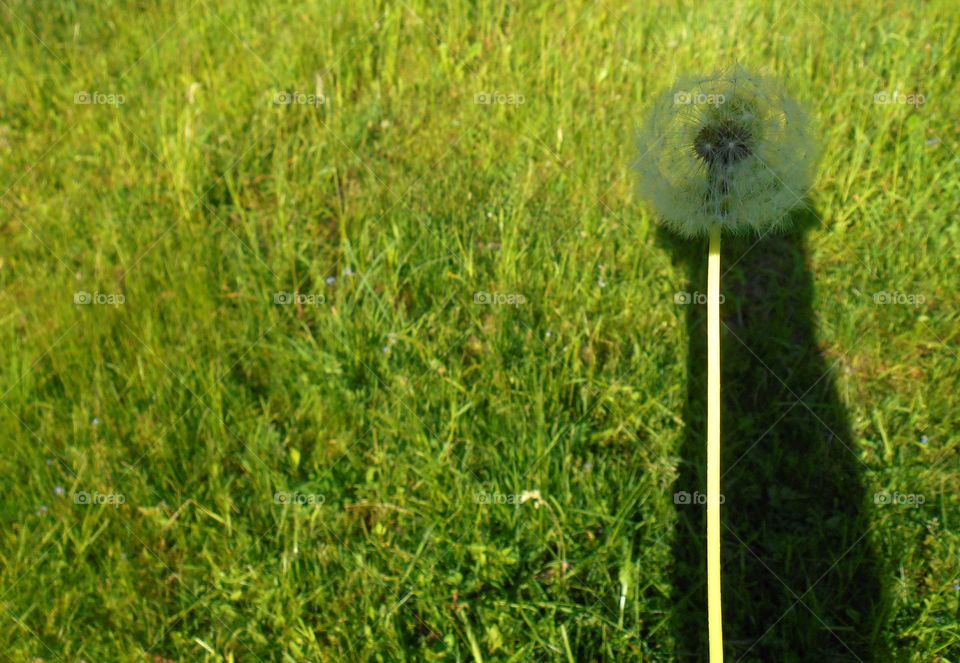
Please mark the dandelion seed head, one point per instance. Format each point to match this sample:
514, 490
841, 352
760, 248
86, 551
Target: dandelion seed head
730, 150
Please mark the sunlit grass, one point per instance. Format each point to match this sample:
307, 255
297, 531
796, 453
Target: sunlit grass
477, 387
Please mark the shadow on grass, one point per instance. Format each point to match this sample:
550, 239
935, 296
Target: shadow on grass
800, 579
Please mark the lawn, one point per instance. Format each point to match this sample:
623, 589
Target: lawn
336, 332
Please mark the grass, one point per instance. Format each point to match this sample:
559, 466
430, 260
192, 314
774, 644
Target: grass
465, 480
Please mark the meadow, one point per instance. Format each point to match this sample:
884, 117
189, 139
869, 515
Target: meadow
336, 332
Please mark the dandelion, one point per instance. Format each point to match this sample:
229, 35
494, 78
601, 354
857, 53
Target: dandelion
730, 152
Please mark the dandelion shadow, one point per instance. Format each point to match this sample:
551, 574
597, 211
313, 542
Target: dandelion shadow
800, 578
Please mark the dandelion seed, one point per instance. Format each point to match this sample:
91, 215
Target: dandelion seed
94, 422
348, 272
331, 280
924, 440
58, 490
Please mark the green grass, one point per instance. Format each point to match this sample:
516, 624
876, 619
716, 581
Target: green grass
413, 417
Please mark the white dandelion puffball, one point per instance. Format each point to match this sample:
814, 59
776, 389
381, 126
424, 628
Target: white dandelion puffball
730, 150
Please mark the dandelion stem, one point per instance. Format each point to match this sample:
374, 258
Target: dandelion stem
713, 448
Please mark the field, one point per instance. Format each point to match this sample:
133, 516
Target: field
336, 332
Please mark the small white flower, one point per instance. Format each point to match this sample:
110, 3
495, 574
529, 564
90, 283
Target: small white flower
533, 495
